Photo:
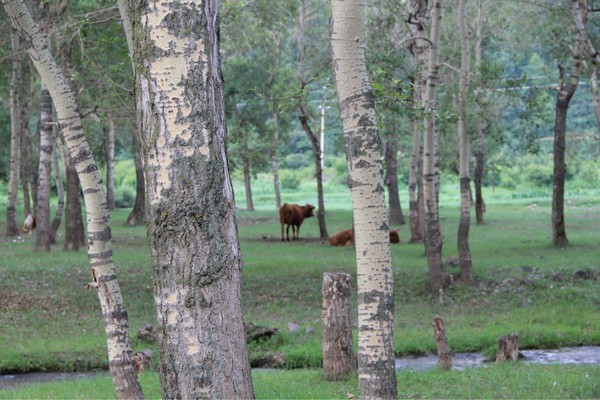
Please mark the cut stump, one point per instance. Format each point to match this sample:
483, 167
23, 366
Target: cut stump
339, 360
441, 341
508, 348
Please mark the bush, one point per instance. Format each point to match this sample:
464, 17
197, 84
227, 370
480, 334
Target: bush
124, 196
289, 179
297, 161
539, 174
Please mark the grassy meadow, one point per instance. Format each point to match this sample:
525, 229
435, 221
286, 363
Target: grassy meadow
49, 321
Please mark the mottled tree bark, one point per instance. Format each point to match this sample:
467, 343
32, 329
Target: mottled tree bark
391, 181
376, 364
120, 354
12, 228
441, 343
462, 237
420, 49
339, 360
26, 162
433, 239
42, 210
191, 211
110, 162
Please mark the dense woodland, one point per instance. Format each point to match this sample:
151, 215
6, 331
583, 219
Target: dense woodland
472, 92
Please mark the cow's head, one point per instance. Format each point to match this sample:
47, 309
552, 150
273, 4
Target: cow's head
308, 211
394, 238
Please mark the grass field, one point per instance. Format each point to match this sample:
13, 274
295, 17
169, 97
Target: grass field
49, 321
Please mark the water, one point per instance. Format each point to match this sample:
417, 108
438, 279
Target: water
566, 355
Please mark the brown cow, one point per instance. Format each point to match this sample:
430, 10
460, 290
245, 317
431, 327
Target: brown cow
293, 215
346, 237
342, 238
29, 224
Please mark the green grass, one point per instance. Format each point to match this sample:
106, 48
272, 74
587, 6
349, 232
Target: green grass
50, 321
503, 381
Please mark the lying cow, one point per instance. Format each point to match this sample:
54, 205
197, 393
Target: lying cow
346, 237
293, 215
29, 224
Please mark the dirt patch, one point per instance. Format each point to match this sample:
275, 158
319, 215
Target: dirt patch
14, 300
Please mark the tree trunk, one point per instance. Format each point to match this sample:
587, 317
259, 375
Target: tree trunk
138, 212
441, 342
274, 163
247, 183
12, 228
596, 97
60, 190
73, 211
339, 360
120, 354
416, 231
391, 180
464, 252
376, 364
480, 152
42, 211
563, 98
420, 49
197, 275
110, 162
305, 122
433, 240
316, 148
508, 348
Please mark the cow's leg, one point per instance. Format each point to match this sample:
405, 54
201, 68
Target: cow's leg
297, 237
287, 231
282, 231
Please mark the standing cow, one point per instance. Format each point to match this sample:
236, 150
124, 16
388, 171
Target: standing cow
293, 215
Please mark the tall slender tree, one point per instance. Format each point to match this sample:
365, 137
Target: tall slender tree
120, 354
433, 237
42, 210
305, 115
376, 365
12, 228
464, 252
565, 92
191, 211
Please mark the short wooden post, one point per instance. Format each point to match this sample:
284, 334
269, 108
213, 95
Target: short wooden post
508, 348
339, 360
441, 341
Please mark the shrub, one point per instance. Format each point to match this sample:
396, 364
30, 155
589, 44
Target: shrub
289, 179
124, 196
539, 174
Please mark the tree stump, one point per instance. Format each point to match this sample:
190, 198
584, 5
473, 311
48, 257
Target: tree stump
339, 360
441, 341
508, 348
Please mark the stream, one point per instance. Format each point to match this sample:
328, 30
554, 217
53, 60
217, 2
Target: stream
566, 355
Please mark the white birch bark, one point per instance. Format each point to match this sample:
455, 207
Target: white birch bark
120, 355
377, 378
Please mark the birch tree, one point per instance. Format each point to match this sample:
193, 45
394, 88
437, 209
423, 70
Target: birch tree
12, 228
104, 279
464, 253
433, 239
376, 364
191, 211
42, 209
420, 48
